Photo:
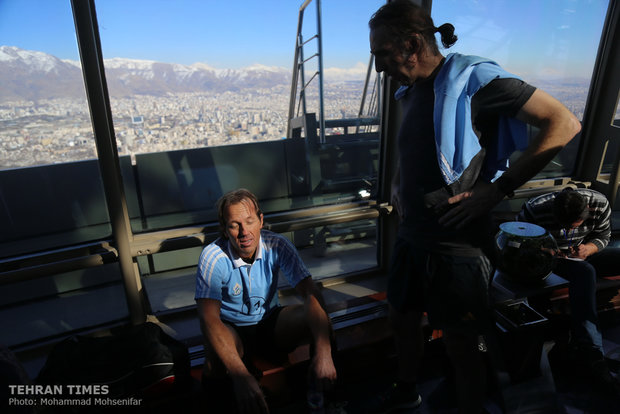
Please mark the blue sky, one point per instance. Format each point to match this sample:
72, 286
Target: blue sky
543, 37
548, 37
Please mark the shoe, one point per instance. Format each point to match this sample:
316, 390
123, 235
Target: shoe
398, 396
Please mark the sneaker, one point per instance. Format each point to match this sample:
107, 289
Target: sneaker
398, 396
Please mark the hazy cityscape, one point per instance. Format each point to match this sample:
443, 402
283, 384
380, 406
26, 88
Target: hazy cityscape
59, 130
157, 107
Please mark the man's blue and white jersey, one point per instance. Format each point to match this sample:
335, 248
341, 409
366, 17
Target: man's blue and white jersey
247, 292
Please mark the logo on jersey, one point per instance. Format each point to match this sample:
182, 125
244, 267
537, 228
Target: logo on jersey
254, 305
236, 289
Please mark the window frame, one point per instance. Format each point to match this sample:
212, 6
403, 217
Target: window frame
124, 246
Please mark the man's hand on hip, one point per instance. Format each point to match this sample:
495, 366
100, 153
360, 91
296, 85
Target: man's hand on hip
469, 205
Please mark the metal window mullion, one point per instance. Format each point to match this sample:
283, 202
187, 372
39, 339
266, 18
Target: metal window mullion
296, 72
320, 53
600, 111
103, 128
360, 114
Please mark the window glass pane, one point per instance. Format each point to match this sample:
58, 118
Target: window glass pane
551, 45
338, 249
201, 103
50, 188
612, 149
62, 303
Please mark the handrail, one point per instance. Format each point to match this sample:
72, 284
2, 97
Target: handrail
374, 104
298, 70
34, 266
345, 122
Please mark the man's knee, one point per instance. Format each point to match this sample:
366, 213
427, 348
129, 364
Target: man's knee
291, 327
606, 262
589, 271
576, 271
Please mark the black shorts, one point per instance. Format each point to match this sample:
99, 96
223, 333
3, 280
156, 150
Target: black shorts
453, 290
257, 340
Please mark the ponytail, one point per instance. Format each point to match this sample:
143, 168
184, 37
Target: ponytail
448, 38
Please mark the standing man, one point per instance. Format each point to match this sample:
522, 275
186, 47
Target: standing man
237, 297
463, 116
579, 220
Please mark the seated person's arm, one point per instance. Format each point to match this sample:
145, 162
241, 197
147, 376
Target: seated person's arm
250, 398
320, 326
599, 237
601, 234
584, 250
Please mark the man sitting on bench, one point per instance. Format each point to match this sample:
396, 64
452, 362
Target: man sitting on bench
579, 220
237, 298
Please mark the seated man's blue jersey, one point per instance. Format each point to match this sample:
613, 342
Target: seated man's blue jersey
248, 292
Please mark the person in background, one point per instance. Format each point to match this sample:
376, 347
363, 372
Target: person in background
579, 220
237, 298
463, 116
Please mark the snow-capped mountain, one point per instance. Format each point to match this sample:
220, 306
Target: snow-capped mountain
36, 75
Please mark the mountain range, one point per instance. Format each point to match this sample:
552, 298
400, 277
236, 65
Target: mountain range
34, 75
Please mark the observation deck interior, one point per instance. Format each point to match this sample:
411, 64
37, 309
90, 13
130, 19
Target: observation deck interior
96, 245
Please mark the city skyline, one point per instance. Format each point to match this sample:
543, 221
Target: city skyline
185, 116
49, 122
556, 38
